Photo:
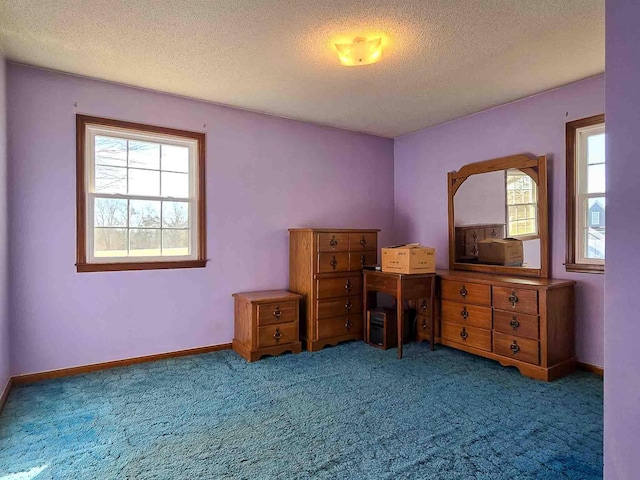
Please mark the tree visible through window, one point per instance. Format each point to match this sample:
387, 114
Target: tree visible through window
140, 196
522, 206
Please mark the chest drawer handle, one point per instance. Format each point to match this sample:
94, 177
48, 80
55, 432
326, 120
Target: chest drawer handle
464, 334
348, 324
514, 323
513, 299
347, 286
334, 262
463, 291
363, 242
424, 305
363, 260
348, 305
333, 241
464, 313
515, 348
277, 335
424, 322
277, 312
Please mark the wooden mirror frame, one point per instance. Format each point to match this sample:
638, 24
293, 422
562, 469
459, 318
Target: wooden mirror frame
536, 168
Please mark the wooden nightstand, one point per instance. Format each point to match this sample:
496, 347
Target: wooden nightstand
266, 323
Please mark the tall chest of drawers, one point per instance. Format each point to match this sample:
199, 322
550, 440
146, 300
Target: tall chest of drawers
523, 322
325, 266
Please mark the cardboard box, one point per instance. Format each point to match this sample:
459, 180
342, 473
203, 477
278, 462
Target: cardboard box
410, 258
496, 251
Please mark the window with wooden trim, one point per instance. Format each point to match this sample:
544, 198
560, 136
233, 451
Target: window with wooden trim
586, 195
140, 196
522, 204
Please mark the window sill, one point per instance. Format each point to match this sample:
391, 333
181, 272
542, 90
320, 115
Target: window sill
584, 268
125, 266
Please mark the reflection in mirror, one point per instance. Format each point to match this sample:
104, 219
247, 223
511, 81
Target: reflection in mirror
495, 206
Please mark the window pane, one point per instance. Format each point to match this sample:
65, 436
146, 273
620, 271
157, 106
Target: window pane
110, 242
596, 205
144, 182
144, 242
595, 147
595, 243
144, 155
110, 179
175, 215
109, 212
143, 213
111, 151
595, 178
175, 242
175, 185
175, 159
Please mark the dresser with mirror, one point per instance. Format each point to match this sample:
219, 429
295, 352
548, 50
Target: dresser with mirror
496, 299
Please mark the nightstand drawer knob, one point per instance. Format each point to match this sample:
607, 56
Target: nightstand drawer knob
277, 335
464, 334
348, 324
515, 348
513, 299
424, 305
277, 312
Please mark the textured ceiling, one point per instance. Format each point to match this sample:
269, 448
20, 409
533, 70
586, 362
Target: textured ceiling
442, 59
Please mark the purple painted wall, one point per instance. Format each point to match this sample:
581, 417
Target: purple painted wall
622, 381
535, 125
264, 175
5, 369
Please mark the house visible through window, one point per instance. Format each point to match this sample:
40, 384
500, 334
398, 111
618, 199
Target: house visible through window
522, 207
586, 194
140, 196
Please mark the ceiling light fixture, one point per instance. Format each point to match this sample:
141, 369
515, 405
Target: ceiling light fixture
360, 52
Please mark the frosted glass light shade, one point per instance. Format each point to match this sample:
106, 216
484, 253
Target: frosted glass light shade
360, 52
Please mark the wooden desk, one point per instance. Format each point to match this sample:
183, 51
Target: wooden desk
419, 288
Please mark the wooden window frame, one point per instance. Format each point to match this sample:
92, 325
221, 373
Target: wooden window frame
572, 171
82, 121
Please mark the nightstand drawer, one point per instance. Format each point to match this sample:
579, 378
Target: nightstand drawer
474, 293
515, 300
277, 312
277, 335
472, 315
333, 242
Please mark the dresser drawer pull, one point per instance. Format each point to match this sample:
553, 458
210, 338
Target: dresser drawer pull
348, 324
515, 348
463, 292
424, 305
493, 233
464, 334
348, 305
464, 313
363, 242
363, 259
513, 299
333, 241
334, 262
514, 323
424, 323
277, 335
347, 286
277, 312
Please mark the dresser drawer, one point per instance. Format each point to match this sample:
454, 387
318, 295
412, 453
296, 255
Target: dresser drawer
518, 324
339, 286
337, 326
359, 259
333, 242
277, 334
423, 326
363, 241
515, 300
335, 307
474, 293
474, 337
329, 262
277, 312
472, 315
522, 349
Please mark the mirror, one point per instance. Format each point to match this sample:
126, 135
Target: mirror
498, 216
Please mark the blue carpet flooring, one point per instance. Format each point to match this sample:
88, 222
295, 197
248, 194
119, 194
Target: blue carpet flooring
347, 412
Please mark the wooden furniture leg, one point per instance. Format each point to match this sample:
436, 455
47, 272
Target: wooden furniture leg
399, 312
432, 329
